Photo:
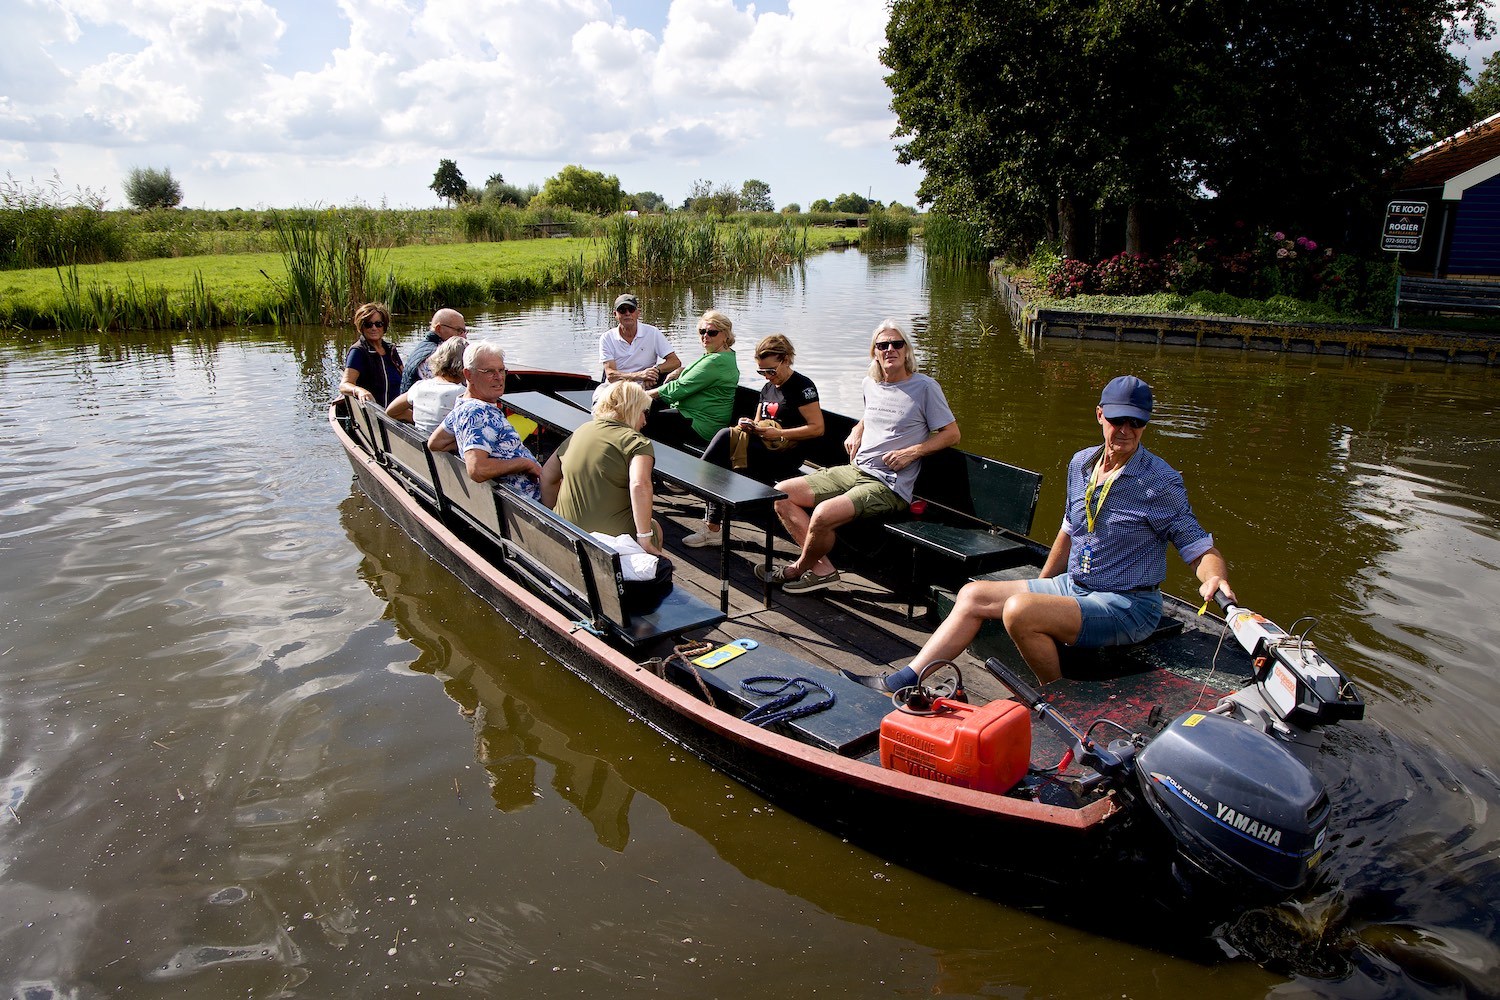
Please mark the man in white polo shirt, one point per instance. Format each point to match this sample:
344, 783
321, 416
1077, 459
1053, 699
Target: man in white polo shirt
635, 351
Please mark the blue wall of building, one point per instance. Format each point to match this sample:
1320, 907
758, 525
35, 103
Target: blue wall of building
1475, 248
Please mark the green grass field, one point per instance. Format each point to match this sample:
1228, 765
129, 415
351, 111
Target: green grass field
244, 286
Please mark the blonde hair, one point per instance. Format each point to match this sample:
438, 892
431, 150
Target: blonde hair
891, 326
623, 402
721, 322
775, 343
448, 359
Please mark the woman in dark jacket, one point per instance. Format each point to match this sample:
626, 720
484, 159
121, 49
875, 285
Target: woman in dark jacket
372, 370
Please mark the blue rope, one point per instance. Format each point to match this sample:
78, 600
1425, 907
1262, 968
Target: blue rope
785, 698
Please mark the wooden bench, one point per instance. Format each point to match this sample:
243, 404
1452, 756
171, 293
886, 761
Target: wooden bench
585, 575
704, 480
978, 518
1450, 295
850, 726
404, 450
361, 415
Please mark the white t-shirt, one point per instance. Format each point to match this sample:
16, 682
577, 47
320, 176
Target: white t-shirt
431, 400
649, 346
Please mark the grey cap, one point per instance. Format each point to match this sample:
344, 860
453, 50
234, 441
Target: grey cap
628, 299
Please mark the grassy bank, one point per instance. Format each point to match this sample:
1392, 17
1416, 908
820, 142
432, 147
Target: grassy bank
255, 288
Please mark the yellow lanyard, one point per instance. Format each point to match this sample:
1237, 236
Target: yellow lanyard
1090, 515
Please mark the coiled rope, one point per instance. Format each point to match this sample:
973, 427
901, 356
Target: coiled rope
786, 699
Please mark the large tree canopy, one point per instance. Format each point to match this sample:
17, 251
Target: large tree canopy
584, 190
1027, 115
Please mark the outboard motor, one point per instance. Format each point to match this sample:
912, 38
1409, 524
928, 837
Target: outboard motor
1245, 814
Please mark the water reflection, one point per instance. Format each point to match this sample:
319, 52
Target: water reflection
223, 756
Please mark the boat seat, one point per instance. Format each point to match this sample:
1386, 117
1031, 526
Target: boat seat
573, 567
405, 450
850, 726
982, 526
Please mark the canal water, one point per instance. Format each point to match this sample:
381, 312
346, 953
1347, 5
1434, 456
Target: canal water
254, 742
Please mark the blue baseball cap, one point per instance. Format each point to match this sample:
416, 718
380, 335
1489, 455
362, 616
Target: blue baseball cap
1126, 396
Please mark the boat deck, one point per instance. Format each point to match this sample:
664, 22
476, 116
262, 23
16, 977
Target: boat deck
860, 624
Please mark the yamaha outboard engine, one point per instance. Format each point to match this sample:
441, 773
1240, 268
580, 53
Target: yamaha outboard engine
1246, 814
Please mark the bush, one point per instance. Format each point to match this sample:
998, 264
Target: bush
1071, 277
1128, 274
147, 187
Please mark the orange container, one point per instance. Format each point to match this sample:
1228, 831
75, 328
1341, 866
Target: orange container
986, 747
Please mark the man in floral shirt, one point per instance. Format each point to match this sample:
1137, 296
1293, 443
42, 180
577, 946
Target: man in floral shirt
478, 430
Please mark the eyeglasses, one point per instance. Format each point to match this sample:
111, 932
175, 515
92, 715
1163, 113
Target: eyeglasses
489, 371
709, 333
372, 324
767, 372
625, 309
1134, 422
462, 330
889, 345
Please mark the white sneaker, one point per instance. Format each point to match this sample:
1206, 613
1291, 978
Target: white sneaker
703, 538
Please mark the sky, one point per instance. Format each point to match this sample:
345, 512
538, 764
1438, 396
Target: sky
281, 103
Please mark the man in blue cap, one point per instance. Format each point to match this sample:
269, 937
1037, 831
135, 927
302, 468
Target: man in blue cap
1101, 583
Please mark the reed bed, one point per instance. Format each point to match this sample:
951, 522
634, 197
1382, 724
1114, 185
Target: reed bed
323, 271
658, 249
954, 241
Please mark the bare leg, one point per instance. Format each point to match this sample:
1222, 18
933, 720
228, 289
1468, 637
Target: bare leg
1035, 622
820, 534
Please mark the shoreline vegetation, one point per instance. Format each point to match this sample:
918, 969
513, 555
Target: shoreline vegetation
315, 266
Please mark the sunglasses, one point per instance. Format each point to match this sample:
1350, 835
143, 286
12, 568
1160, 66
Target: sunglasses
767, 372
625, 309
709, 333
1135, 422
889, 345
372, 324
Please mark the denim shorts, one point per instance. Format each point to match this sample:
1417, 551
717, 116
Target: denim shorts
1109, 619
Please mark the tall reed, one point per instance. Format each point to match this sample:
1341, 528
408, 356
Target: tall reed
954, 241
329, 272
684, 248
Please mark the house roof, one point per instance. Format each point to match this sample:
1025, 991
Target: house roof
1458, 162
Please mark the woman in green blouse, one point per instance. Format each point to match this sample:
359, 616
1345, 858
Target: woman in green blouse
703, 394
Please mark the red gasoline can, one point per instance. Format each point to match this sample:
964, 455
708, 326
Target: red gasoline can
986, 747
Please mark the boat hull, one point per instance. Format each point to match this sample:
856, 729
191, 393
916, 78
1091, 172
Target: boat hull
971, 838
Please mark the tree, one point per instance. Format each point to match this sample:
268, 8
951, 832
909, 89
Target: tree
706, 199
449, 183
821, 205
755, 196
791, 208
1485, 97
1032, 118
648, 201
147, 187
584, 190
858, 204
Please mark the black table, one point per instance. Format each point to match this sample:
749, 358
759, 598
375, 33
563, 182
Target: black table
701, 479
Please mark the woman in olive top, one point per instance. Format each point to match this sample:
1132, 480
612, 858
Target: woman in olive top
703, 394
600, 477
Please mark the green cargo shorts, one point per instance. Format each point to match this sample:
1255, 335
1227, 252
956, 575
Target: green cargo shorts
869, 495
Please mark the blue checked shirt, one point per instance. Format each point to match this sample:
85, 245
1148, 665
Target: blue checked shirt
1146, 508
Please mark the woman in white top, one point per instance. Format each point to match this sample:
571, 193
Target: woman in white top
428, 401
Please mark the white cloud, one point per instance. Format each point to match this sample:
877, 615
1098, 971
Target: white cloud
518, 82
